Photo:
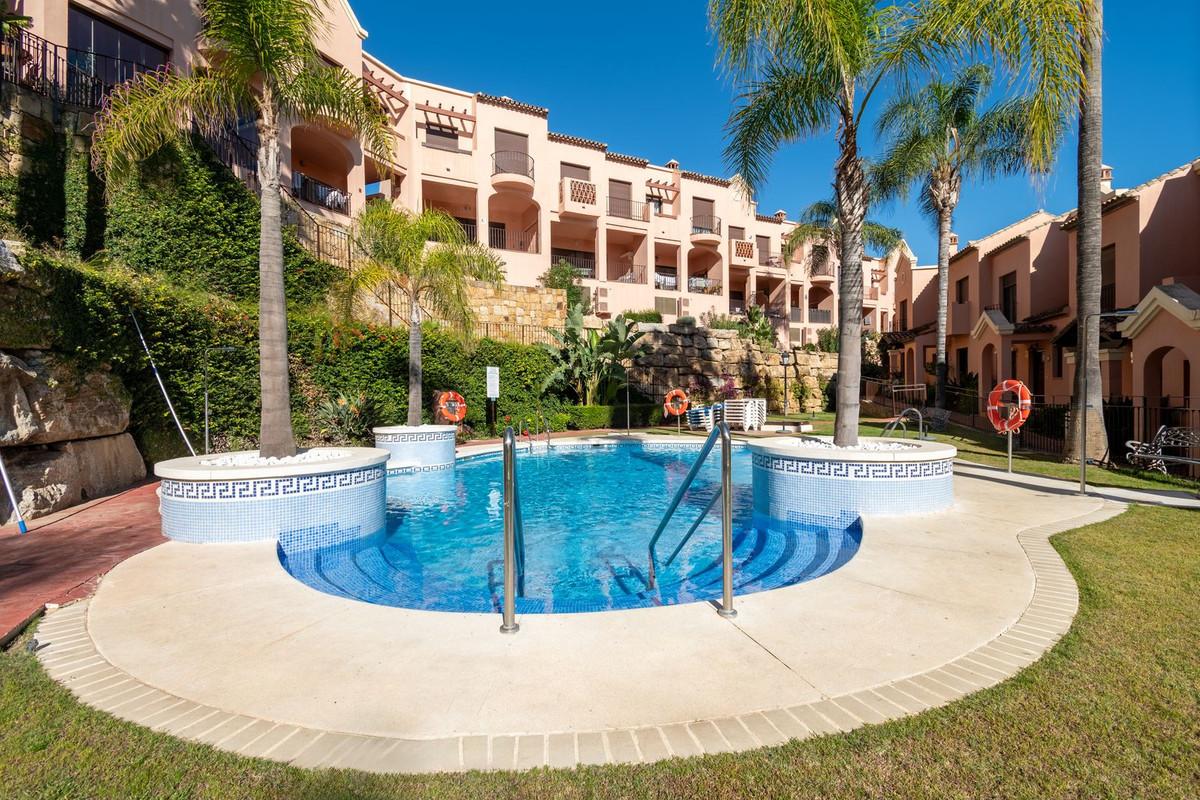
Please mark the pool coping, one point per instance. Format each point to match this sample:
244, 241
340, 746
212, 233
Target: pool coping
69, 654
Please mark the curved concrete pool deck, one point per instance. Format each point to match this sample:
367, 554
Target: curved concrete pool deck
218, 643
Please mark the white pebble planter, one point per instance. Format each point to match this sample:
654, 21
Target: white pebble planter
341, 495
884, 476
417, 448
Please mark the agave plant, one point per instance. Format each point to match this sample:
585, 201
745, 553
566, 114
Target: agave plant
590, 363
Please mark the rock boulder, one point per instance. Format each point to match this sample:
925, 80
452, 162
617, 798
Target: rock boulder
45, 399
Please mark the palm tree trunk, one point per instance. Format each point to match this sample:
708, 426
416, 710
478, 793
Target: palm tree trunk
275, 427
414, 363
850, 187
1089, 410
943, 303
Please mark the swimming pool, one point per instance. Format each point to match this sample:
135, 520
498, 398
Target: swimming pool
589, 512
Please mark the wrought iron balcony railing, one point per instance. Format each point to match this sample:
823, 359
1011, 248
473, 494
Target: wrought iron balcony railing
512, 162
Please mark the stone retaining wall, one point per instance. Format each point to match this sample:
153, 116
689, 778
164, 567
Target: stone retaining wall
63, 431
703, 360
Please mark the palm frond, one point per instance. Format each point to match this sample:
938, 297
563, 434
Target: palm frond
333, 97
784, 105
274, 39
142, 114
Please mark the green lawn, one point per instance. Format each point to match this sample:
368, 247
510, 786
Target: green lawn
1111, 712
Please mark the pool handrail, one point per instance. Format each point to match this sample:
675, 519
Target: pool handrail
514, 536
720, 431
899, 421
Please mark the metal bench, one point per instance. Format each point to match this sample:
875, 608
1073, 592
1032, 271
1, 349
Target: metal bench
938, 418
1151, 456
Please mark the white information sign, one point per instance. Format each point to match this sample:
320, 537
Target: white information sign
493, 383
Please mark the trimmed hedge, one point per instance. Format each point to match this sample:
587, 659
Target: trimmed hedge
581, 418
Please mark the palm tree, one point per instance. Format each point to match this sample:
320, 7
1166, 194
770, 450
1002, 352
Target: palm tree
11, 21
1089, 410
810, 66
939, 135
429, 259
263, 66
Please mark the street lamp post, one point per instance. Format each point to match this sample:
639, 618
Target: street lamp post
785, 358
208, 350
1081, 363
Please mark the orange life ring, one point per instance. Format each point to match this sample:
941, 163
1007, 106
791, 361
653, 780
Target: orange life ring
675, 403
452, 406
1017, 414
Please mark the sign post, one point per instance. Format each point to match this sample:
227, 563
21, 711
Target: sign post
493, 393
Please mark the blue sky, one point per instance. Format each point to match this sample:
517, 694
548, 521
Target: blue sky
640, 76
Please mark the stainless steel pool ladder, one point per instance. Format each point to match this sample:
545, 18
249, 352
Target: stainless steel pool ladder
720, 432
514, 536
899, 422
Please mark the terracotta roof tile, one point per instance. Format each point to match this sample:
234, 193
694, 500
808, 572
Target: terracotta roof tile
578, 141
702, 178
514, 105
620, 158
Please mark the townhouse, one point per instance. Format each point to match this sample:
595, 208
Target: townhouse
640, 235
1013, 302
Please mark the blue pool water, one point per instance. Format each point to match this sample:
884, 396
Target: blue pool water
589, 513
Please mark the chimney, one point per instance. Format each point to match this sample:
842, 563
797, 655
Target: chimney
781, 215
672, 164
1105, 179
953, 243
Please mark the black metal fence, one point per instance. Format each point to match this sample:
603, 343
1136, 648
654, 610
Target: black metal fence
1125, 418
66, 74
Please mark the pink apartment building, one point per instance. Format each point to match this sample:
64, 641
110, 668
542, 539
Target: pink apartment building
641, 236
1012, 303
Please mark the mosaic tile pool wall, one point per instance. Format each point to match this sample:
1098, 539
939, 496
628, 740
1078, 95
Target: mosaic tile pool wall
345, 503
427, 448
783, 484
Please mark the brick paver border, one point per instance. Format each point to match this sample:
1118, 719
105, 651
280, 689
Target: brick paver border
69, 655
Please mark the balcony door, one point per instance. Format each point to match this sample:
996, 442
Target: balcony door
1008, 296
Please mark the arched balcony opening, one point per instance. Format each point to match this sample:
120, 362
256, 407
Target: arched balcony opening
321, 167
513, 223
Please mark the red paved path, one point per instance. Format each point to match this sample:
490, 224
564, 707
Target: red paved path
63, 555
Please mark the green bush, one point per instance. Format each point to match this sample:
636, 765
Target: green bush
188, 217
562, 275
827, 340
87, 314
649, 315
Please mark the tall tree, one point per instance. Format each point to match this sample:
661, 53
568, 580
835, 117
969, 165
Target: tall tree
1089, 410
811, 65
429, 259
940, 135
263, 65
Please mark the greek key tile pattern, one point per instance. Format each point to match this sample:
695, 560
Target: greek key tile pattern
783, 486
426, 436
882, 470
268, 487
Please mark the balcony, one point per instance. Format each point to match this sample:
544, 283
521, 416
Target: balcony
706, 230
624, 208
311, 190
578, 198
822, 273
703, 285
629, 273
766, 258
742, 253
797, 315
518, 242
871, 295
584, 264
822, 316
665, 281
512, 170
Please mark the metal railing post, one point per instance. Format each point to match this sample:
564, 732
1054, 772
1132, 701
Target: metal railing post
727, 609
510, 531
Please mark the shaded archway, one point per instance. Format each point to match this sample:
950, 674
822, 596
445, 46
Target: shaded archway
513, 222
